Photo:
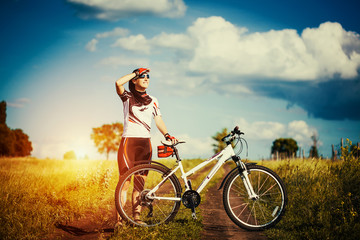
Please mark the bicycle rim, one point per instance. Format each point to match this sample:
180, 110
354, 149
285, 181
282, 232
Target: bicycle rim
255, 214
135, 207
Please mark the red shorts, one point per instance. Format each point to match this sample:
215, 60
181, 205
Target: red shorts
132, 152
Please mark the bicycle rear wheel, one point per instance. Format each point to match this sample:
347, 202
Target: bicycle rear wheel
255, 214
131, 198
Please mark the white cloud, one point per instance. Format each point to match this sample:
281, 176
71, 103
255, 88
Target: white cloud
262, 130
114, 33
113, 10
234, 88
214, 55
176, 41
326, 44
18, 103
317, 53
300, 131
136, 43
91, 46
117, 61
214, 46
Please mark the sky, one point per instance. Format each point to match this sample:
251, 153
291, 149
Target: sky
276, 69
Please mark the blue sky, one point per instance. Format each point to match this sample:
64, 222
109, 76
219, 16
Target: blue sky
275, 68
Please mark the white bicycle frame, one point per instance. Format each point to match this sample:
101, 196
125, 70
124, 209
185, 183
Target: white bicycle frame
222, 157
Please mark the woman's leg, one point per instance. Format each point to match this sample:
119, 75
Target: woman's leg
123, 165
143, 153
139, 182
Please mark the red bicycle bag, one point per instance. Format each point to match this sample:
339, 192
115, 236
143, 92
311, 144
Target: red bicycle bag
164, 152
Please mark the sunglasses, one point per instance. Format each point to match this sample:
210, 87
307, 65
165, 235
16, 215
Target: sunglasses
144, 75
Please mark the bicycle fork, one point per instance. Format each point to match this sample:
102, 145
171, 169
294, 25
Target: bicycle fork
245, 177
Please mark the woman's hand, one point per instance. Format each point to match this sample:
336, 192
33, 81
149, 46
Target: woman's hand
168, 137
140, 71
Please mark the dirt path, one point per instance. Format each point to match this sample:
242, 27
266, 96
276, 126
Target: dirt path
90, 226
217, 224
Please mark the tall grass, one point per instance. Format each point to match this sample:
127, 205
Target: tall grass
36, 194
324, 198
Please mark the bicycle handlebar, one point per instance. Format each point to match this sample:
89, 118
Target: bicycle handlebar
232, 134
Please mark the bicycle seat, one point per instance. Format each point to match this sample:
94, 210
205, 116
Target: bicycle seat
169, 143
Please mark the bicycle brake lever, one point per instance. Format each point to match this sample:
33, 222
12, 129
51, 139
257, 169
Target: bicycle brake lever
169, 143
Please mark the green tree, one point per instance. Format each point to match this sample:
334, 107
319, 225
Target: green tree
314, 150
13, 143
6, 135
286, 147
70, 155
3, 112
7, 140
22, 145
219, 145
107, 137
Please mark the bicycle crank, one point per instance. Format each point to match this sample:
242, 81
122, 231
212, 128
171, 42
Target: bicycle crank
191, 199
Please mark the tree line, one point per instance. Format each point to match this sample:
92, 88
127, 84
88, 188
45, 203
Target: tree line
108, 136
13, 142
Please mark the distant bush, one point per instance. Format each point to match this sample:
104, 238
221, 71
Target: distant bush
70, 155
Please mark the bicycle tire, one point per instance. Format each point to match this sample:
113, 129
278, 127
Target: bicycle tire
255, 214
152, 212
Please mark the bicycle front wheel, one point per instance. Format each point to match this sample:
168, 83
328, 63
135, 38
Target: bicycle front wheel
261, 212
136, 206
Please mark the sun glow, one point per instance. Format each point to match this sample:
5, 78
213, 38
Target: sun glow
82, 153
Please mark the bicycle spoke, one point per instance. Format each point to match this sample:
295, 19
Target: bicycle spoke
240, 188
247, 220
263, 183
153, 211
256, 213
246, 205
262, 211
275, 184
240, 205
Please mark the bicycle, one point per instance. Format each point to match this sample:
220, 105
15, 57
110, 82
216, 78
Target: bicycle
254, 196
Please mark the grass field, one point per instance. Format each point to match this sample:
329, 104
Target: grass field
324, 199
37, 194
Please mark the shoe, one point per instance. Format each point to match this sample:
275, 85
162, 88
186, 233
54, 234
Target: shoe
138, 221
137, 218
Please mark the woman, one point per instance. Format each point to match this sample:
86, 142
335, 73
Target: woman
135, 146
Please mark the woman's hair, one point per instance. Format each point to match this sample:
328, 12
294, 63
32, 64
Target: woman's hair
131, 86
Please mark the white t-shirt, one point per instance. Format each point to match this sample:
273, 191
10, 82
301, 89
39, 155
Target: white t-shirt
137, 116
